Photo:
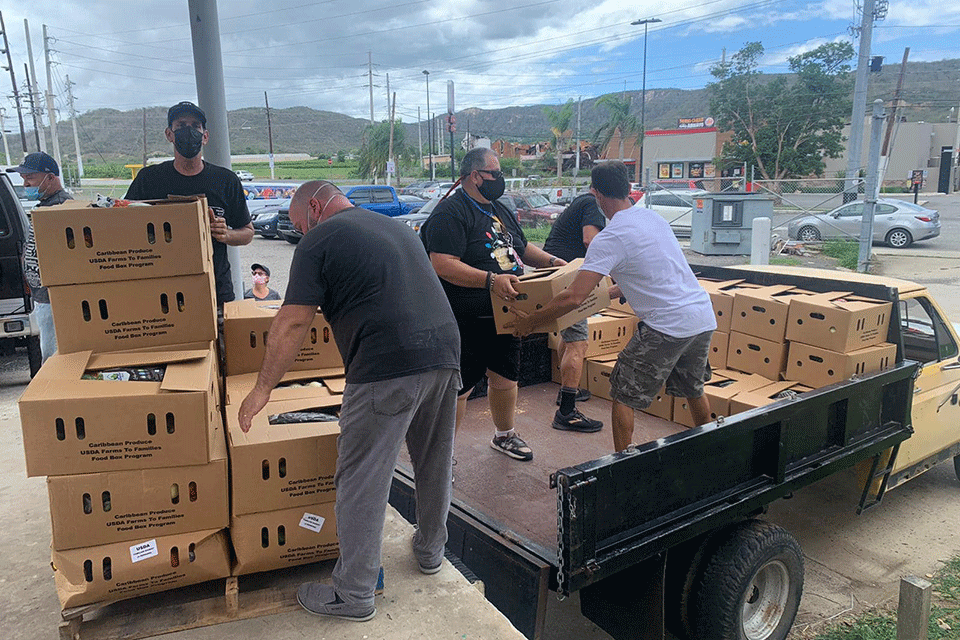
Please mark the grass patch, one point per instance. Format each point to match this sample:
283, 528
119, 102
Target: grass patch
882, 625
537, 234
845, 252
300, 170
786, 262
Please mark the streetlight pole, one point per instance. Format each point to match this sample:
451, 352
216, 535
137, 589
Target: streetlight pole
643, 102
430, 128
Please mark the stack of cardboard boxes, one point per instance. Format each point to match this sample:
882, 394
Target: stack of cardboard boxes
125, 419
282, 469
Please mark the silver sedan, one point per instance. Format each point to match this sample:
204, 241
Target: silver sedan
897, 223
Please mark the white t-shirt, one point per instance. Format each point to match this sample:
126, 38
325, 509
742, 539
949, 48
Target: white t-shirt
638, 250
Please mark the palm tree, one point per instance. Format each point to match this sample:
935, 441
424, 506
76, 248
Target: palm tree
621, 121
559, 123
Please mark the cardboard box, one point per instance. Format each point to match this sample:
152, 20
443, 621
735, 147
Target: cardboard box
116, 316
118, 506
765, 395
274, 467
279, 539
72, 426
763, 312
719, 343
598, 370
555, 370
719, 391
608, 332
662, 405
129, 569
539, 287
79, 244
838, 321
721, 297
818, 367
246, 324
294, 385
751, 354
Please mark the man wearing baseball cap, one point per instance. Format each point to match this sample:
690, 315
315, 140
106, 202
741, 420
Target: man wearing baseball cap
261, 278
41, 179
188, 175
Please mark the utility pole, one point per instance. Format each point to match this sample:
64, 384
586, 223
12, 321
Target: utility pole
389, 111
33, 110
3, 132
872, 187
892, 117
76, 138
269, 134
576, 147
452, 127
393, 109
51, 111
34, 91
419, 143
433, 175
855, 143
646, 22
144, 138
370, 79
13, 81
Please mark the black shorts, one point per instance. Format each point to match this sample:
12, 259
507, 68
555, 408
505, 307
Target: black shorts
482, 348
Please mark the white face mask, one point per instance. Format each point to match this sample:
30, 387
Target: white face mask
259, 279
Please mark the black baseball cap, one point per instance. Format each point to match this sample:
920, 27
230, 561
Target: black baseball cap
256, 266
38, 162
185, 107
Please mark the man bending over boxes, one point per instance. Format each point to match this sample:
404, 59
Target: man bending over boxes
401, 350
639, 251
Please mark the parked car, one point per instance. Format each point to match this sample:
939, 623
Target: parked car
413, 220
673, 185
285, 228
676, 207
265, 219
18, 323
439, 189
897, 223
411, 201
245, 176
379, 198
531, 209
413, 188
636, 192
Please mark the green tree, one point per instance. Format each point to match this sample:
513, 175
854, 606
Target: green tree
621, 121
784, 126
375, 149
559, 120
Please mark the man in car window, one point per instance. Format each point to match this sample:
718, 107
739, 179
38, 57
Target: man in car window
41, 177
188, 175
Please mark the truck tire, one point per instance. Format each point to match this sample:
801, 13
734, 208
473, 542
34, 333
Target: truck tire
34, 356
751, 585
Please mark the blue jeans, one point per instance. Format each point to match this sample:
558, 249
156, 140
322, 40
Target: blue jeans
48, 335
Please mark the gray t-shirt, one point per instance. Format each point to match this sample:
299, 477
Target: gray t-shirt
31, 266
374, 283
271, 295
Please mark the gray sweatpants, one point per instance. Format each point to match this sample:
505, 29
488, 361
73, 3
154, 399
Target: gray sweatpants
375, 419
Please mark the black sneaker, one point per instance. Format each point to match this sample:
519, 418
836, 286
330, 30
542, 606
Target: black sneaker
576, 421
582, 396
513, 446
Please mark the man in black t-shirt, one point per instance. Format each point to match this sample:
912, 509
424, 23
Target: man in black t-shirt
401, 350
476, 247
571, 233
188, 175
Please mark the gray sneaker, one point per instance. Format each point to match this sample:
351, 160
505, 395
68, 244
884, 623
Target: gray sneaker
322, 600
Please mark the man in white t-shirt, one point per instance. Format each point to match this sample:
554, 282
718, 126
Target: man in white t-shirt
639, 251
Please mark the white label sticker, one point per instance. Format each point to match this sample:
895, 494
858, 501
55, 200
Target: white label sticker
143, 551
312, 522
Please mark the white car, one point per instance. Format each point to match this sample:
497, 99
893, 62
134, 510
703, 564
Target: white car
676, 207
246, 176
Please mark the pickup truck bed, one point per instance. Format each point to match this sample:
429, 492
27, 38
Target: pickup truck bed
518, 494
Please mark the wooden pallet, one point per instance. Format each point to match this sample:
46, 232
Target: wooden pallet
202, 605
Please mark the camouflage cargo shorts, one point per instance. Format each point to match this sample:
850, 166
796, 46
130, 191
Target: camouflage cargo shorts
652, 359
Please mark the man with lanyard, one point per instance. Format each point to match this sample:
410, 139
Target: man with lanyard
638, 250
41, 179
476, 246
569, 238
398, 338
188, 175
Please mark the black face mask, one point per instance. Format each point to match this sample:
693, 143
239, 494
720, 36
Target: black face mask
188, 141
492, 189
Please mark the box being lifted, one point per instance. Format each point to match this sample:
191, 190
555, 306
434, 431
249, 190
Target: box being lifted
246, 324
538, 288
79, 244
74, 424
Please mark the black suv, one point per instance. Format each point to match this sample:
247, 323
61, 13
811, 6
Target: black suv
17, 327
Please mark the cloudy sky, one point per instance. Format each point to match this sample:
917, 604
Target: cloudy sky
126, 54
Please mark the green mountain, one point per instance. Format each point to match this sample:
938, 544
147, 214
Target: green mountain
108, 135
